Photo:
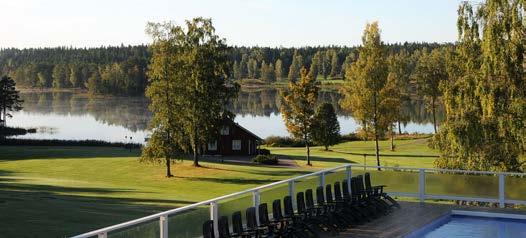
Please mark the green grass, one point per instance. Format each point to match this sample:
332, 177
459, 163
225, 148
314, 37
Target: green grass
408, 153
62, 191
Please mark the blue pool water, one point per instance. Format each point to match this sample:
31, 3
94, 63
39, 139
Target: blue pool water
453, 226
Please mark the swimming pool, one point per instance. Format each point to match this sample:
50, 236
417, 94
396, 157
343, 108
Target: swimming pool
475, 225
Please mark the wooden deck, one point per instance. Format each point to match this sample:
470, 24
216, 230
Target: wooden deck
409, 218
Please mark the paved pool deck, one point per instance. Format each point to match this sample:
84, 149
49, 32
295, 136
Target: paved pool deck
411, 217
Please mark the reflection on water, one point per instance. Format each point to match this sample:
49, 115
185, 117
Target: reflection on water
68, 115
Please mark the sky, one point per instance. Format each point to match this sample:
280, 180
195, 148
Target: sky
274, 23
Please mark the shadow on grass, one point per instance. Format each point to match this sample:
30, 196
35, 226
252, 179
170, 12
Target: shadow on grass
387, 155
240, 181
52, 211
317, 159
12, 153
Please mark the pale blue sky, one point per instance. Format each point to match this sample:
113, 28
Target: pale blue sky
79, 23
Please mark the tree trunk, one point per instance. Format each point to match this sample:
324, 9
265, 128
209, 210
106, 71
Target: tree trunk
168, 172
196, 157
375, 121
308, 151
4, 120
434, 114
392, 140
399, 128
326, 148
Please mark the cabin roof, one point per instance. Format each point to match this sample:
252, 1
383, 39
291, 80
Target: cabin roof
245, 130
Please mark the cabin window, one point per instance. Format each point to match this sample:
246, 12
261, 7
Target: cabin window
212, 146
225, 130
236, 144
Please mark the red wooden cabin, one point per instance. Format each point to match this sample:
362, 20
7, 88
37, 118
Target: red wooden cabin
234, 140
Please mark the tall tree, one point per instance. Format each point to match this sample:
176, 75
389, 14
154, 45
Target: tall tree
253, 70
267, 72
485, 99
189, 84
326, 128
237, 71
278, 71
243, 65
326, 63
298, 107
314, 65
295, 66
334, 64
429, 72
94, 83
9, 99
60, 76
400, 73
365, 80
347, 63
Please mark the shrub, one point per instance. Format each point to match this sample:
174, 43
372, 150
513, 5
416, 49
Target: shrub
281, 141
266, 159
350, 137
263, 152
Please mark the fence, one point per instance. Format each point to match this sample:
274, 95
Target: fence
480, 186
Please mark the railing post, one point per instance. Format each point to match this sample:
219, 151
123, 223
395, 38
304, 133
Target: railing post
163, 226
349, 176
214, 216
256, 200
322, 179
292, 191
502, 196
103, 235
422, 185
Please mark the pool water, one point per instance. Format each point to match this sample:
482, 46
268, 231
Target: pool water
454, 226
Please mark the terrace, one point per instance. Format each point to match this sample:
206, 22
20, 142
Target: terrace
426, 196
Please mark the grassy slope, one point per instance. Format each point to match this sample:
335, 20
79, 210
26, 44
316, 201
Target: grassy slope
66, 190
408, 153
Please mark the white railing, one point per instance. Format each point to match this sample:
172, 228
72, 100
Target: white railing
414, 180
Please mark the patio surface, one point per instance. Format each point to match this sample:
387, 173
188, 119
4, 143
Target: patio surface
411, 217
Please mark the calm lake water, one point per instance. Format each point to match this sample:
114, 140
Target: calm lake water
68, 115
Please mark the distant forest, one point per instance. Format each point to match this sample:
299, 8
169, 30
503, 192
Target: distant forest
122, 70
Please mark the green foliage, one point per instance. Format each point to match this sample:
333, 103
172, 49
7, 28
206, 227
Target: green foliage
298, 107
326, 128
267, 72
72, 68
266, 159
335, 63
263, 151
280, 141
278, 71
430, 70
189, 88
295, 66
367, 92
9, 99
238, 75
33, 68
485, 98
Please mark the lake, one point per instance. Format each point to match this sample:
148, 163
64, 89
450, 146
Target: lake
68, 115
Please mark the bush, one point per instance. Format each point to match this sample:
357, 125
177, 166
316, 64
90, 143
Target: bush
266, 159
350, 137
263, 152
280, 141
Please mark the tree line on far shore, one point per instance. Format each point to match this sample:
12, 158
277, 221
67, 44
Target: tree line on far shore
121, 70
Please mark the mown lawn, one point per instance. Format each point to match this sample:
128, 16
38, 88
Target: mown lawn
62, 191
408, 153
